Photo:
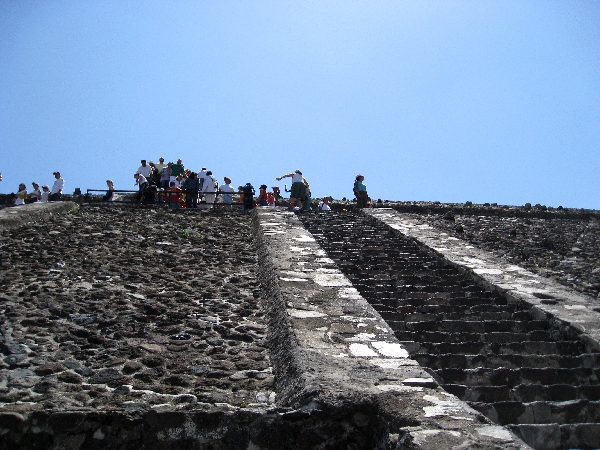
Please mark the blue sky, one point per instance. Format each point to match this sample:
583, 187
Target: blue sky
487, 101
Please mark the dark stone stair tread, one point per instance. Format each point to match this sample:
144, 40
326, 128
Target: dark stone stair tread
567, 436
510, 361
525, 392
507, 413
513, 377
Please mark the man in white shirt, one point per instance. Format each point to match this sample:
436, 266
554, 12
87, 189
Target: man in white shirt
57, 188
298, 193
145, 170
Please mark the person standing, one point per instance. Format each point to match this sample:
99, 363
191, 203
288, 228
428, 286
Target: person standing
361, 192
176, 169
248, 198
160, 165
145, 169
57, 188
210, 188
191, 188
141, 183
298, 192
165, 177
307, 197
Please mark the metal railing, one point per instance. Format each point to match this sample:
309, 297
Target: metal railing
160, 197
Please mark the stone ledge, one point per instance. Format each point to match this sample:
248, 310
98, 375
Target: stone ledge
34, 212
330, 349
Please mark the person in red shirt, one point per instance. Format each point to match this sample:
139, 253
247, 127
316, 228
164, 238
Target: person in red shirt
173, 196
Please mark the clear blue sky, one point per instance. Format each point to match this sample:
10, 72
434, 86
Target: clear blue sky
487, 101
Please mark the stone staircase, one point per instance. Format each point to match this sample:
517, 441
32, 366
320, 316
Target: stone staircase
519, 366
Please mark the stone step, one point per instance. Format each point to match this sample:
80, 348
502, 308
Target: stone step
511, 361
555, 436
451, 312
524, 392
468, 325
501, 338
458, 301
514, 413
524, 347
514, 377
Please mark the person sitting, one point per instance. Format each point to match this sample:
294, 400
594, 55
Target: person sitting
324, 205
36, 194
271, 201
226, 191
150, 194
262, 196
173, 196
21, 196
45, 193
108, 197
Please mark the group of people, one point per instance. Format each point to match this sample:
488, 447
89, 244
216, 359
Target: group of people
179, 187
45, 194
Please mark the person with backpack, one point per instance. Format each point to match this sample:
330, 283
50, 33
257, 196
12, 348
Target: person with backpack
248, 191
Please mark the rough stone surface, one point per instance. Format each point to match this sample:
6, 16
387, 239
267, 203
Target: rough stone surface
113, 307
143, 328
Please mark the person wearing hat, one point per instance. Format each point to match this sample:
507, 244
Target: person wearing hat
45, 193
298, 192
262, 196
227, 191
57, 188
